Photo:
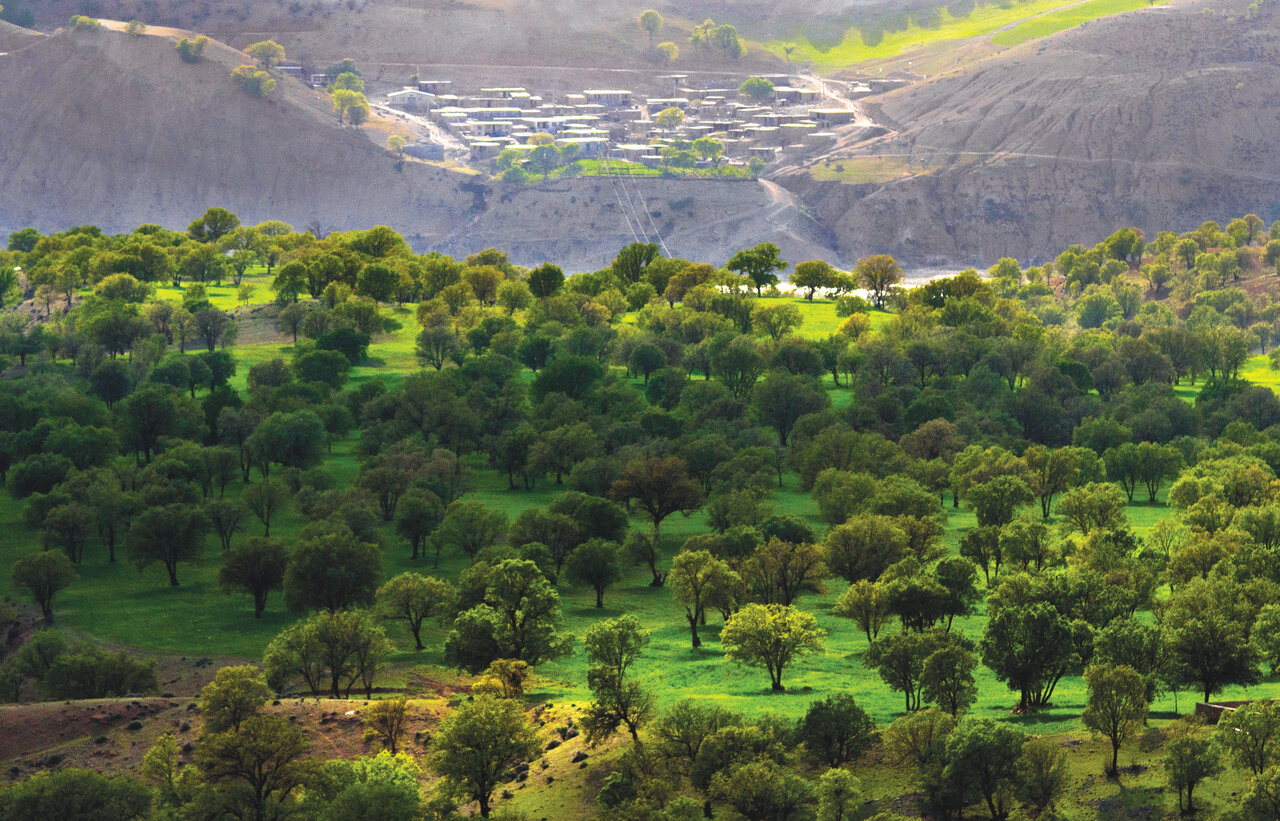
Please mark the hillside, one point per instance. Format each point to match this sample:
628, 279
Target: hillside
120, 132
1066, 140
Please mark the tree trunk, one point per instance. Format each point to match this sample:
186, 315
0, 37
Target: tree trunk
417, 636
599, 597
693, 628
172, 567
259, 603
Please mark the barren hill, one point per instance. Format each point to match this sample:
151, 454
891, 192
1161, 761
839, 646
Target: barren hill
117, 131
1161, 118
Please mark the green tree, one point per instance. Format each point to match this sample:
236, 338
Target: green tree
235, 694
661, 487
699, 580
947, 678
1205, 638
996, 501
1251, 734
350, 105
669, 118
518, 618
612, 647
331, 569
835, 730
1030, 648
169, 534
256, 566
595, 564
75, 793
982, 758
543, 160
266, 52
771, 636
1190, 758
1117, 706
780, 400
839, 796
68, 527
477, 743
758, 264
650, 22
812, 275
756, 89
265, 499
259, 772
43, 575
414, 598
878, 274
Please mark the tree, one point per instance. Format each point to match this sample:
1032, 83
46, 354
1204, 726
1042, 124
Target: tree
235, 694
68, 527
756, 89
469, 526
947, 678
517, 619
330, 569
418, 514
899, 659
545, 280
75, 793
477, 743
1190, 757
414, 598
328, 651
264, 499
169, 534
982, 757
780, 571
878, 274
42, 575
595, 564
1251, 734
386, 721
699, 580
543, 160
761, 790
256, 566
758, 264
866, 603
782, 399
213, 225
661, 486
266, 52
351, 105
670, 117
839, 796
835, 730
1094, 505
612, 647
709, 149
1205, 638
996, 501
258, 772
771, 636
1042, 773
1030, 648
865, 546
1117, 706
812, 275
650, 22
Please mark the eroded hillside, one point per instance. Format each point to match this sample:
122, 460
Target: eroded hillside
1159, 118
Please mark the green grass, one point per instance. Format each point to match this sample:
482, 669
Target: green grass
1008, 25
119, 604
1066, 19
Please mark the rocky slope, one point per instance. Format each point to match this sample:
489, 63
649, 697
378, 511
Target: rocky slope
1161, 119
117, 131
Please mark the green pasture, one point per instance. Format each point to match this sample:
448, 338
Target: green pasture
1067, 18
1007, 24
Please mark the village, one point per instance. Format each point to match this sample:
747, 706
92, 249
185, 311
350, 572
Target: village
784, 118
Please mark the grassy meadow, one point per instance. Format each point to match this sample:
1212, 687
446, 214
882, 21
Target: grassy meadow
118, 604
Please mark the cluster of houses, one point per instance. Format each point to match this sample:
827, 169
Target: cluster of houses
620, 124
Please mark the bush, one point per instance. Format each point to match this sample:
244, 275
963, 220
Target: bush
96, 673
255, 82
192, 51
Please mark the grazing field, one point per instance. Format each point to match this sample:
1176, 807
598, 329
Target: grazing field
1066, 18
